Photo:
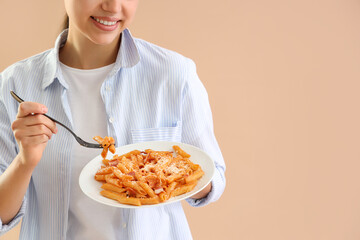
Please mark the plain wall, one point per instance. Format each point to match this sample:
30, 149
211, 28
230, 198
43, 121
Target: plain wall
283, 82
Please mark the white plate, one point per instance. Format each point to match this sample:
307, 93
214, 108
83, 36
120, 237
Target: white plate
92, 188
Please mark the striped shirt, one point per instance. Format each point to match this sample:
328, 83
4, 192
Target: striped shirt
150, 94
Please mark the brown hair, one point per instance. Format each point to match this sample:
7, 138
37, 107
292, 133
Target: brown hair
65, 24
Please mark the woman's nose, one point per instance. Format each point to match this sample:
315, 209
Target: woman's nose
113, 6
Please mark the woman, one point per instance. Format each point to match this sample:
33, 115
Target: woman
99, 80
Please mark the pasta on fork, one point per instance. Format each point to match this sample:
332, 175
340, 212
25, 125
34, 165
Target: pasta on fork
148, 177
108, 143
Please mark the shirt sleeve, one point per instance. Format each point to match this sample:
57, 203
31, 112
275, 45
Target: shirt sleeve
198, 130
8, 152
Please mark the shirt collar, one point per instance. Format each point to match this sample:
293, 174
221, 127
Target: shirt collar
128, 56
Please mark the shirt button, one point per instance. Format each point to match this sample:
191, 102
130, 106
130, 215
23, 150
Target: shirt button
108, 89
124, 225
111, 119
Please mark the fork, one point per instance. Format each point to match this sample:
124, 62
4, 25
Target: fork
78, 139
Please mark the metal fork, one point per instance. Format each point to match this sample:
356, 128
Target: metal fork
78, 139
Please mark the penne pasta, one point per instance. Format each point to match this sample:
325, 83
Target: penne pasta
181, 152
147, 177
122, 168
113, 181
130, 200
135, 186
170, 188
195, 176
104, 171
183, 189
112, 195
99, 177
147, 189
107, 143
163, 196
173, 178
149, 201
111, 187
105, 162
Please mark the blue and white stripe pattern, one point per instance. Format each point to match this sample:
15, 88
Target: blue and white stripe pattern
151, 94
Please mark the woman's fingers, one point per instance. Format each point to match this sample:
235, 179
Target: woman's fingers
33, 131
30, 108
40, 119
34, 140
28, 120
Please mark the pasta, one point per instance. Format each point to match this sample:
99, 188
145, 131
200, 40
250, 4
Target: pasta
147, 177
108, 143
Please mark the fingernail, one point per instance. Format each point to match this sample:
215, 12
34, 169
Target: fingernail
44, 109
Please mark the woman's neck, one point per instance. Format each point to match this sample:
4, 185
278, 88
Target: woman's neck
81, 53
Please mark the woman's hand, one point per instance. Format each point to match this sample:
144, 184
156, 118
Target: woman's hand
203, 192
32, 131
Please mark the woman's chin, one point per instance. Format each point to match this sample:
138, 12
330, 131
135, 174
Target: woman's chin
105, 40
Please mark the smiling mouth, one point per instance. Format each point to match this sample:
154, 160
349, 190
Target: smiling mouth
106, 23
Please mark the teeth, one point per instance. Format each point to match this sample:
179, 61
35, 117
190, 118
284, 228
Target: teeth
105, 22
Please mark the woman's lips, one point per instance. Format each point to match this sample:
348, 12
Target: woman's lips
106, 23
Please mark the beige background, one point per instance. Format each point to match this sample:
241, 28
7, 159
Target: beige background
283, 80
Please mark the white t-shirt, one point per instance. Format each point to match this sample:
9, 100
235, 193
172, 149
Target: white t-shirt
89, 120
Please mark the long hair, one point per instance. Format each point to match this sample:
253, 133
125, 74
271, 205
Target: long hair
65, 24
